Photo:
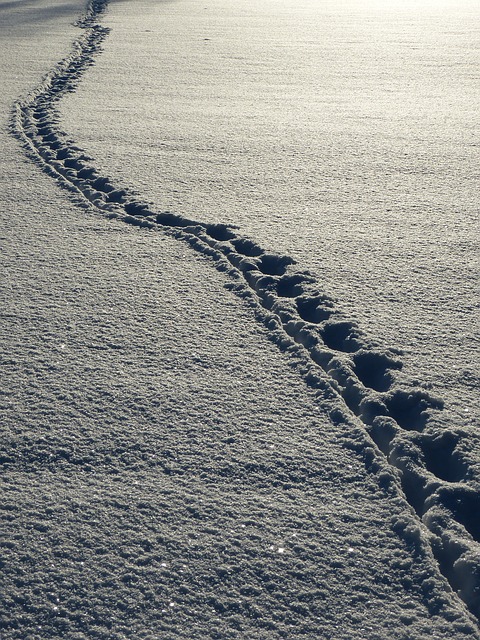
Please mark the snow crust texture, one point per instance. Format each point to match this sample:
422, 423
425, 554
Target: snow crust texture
351, 375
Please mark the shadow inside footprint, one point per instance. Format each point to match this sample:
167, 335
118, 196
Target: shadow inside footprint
137, 209
441, 458
168, 219
103, 184
373, 369
464, 504
341, 336
117, 196
220, 232
247, 247
410, 408
274, 265
291, 286
314, 309
64, 153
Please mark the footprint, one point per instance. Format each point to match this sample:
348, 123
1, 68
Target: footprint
464, 505
440, 456
134, 208
410, 409
341, 336
291, 286
51, 137
118, 196
168, 219
314, 309
87, 173
220, 232
75, 163
247, 247
373, 369
63, 153
274, 265
104, 184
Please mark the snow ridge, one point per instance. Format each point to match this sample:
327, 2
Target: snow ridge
351, 376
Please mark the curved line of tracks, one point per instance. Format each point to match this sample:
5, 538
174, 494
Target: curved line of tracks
349, 374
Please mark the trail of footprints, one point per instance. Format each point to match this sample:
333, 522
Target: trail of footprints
433, 473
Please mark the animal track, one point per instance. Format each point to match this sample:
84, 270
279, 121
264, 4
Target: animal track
247, 247
274, 265
374, 369
464, 504
410, 408
441, 457
337, 357
341, 336
314, 309
293, 285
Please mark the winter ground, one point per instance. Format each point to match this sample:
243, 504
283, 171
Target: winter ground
198, 441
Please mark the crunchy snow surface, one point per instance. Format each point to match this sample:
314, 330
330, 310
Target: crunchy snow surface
168, 471
339, 134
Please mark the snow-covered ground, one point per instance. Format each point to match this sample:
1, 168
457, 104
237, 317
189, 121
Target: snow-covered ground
342, 134
198, 441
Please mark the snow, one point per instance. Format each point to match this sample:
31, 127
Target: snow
198, 439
